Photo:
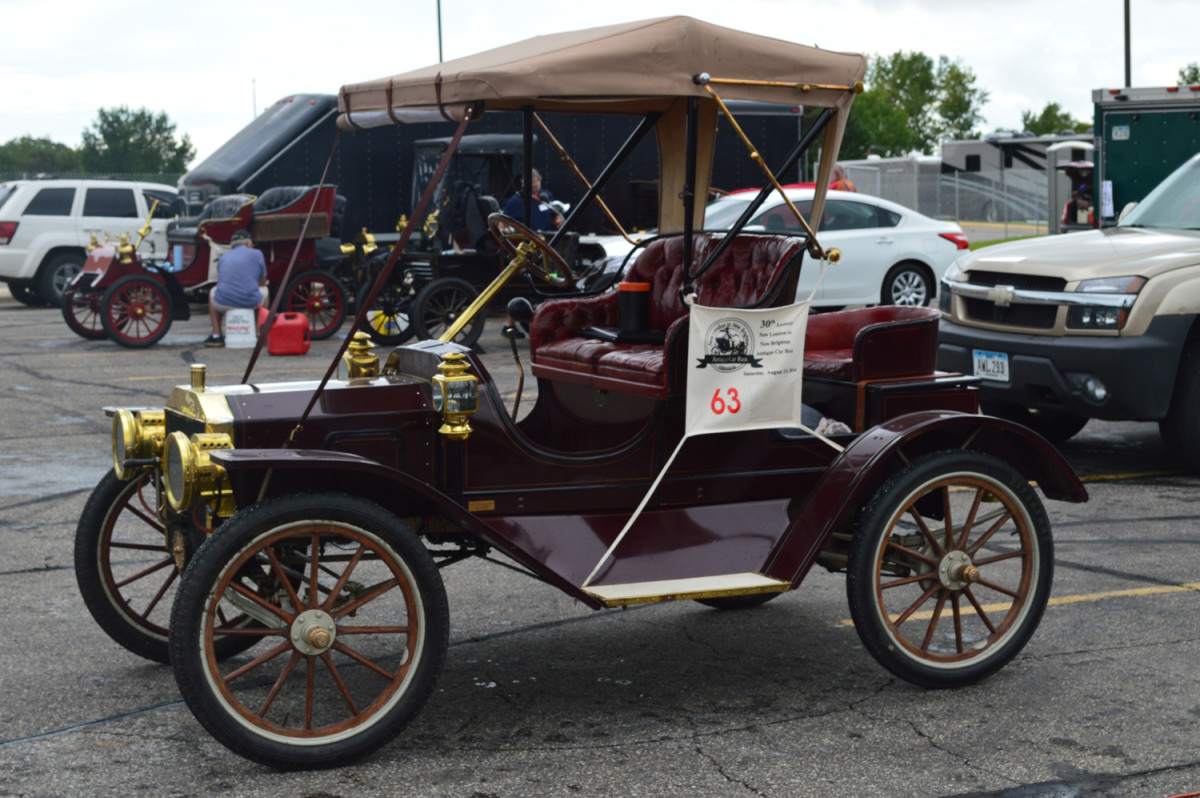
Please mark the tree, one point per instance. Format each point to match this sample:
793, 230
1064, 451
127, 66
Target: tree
1052, 121
1190, 73
122, 141
38, 156
959, 101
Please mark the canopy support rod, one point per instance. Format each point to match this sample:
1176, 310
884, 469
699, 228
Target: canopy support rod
788, 162
689, 187
527, 166
593, 189
856, 87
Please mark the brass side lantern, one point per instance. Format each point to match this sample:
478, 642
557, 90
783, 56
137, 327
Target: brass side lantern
455, 395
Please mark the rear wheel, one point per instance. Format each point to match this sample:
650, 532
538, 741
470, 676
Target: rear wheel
355, 630
320, 297
439, 304
387, 321
82, 311
950, 569
136, 311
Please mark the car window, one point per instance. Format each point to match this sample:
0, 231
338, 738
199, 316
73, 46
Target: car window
780, 219
5, 193
168, 204
846, 215
888, 218
51, 202
110, 202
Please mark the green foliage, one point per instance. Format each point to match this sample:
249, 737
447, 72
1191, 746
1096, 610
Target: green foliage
122, 141
1190, 73
34, 156
1052, 121
910, 104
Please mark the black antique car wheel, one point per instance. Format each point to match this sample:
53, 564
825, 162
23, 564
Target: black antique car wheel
388, 321
950, 569
439, 304
354, 634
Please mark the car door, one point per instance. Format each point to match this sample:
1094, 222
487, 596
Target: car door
853, 227
109, 211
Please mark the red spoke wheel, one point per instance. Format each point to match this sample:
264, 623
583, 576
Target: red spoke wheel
353, 637
136, 311
950, 569
125, 567
320, 296
81, 308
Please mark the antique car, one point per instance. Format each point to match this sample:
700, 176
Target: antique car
301, 527
122, 295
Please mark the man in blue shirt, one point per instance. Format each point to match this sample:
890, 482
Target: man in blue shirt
240, 273
545, 217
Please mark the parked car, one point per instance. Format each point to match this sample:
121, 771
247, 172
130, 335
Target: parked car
1095, 324
891, 255
46, 225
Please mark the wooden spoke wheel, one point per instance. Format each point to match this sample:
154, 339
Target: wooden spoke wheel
438, 305
320, 296
540, 258
136, 311
82, 310
387, 321
127, 570
354, 630
950, 569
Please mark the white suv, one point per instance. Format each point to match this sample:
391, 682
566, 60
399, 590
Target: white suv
45, 227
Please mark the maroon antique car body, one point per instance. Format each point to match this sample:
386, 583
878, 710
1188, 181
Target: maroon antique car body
121, 296
309, 520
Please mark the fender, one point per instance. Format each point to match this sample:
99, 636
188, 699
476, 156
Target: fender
868, 461
250, 474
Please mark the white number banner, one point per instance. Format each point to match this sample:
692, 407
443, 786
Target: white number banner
744, 368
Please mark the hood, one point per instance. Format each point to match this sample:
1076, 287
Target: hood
1115, 252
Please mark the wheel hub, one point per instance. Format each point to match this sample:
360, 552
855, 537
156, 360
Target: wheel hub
313, 632
956, 571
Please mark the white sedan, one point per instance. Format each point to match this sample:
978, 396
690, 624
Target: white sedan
891, 255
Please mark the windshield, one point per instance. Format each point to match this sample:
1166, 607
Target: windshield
1174, 203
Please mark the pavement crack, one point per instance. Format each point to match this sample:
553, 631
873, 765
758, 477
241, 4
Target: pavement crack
725, 774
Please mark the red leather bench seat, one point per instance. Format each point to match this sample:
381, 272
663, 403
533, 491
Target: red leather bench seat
751, 272
872, 343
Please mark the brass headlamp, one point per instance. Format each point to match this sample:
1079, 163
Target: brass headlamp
137, 439
189, 474
455, 395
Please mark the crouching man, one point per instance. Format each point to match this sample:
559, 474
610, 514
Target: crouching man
240, 273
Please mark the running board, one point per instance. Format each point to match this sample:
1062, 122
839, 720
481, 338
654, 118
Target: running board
693, 588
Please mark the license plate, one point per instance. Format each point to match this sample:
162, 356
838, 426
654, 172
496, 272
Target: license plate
991, 365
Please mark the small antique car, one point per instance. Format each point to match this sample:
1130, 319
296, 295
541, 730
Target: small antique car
302, 526
133, 301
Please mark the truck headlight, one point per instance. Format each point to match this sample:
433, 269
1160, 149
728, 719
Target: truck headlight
1103, 316
137, 438
188, 473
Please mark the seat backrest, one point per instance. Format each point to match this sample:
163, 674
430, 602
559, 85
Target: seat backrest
754, 271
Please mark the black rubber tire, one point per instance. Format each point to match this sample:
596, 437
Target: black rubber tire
1180, 428
137, 311
439, 303
82, 311
1054, 427
120, 515
1008, 517
907, 283
388, 321
319, 295
26, 295
58, 272
738, 602
274, 539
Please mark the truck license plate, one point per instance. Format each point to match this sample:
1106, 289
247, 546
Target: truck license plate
991, 365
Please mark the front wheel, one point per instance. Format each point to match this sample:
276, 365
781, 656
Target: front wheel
1180, 429
354, 630
950, 569
57, 274
439, 304
388, 321
136, 311
907, 283
319, 296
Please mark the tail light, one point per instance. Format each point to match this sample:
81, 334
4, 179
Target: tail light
959, 240
7, 231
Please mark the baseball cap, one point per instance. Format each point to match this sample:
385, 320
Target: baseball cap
239, 235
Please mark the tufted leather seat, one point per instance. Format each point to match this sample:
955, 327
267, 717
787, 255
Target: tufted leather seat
754, 271
877, 343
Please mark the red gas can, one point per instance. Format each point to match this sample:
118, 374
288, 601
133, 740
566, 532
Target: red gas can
288, 335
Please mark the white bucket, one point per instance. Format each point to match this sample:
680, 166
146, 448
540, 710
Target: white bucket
240, 326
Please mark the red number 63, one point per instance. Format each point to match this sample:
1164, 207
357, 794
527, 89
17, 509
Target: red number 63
719, 405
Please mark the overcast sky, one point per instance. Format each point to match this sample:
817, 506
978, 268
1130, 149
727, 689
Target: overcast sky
212, 66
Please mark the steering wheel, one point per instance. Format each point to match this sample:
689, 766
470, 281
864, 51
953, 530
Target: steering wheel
549, 265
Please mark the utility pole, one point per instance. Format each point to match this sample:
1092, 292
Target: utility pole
439, 13
253, 99
1128, 68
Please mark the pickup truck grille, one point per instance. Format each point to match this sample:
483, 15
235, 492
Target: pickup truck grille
1028, 282
1019, 315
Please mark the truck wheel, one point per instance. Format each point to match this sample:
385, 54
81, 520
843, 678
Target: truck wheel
387, 321
439, 304
907, 283
1054, 427
81, 309
318, 295
950, 569
126, 570
57, 274
136, 311
343, 662
1180, 429
25, 294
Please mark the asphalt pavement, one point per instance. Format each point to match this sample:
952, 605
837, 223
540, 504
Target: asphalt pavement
544, 697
